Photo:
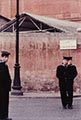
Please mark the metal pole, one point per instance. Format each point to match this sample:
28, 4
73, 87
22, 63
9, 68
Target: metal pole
17, 83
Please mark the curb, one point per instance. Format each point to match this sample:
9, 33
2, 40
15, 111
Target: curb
41, 95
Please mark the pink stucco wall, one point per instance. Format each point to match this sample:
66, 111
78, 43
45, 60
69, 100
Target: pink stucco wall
64, 9
39, 56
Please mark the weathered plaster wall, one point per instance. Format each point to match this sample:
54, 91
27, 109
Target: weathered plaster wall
39, 56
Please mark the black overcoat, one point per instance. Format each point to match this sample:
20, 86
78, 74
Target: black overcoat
61, 74
5, 87
71, 74
66, 74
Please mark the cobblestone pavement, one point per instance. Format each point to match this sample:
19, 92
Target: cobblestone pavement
42, 109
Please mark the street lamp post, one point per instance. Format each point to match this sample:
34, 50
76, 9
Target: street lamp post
17, 83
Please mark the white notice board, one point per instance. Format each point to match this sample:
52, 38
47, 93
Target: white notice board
68, 44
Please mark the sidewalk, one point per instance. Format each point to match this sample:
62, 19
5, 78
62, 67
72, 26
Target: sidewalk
42, 95
40, 106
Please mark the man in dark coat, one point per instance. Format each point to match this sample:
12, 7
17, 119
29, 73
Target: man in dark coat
71, 74
5, 86
66, 74
61, 74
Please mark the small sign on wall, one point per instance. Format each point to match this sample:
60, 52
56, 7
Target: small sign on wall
68, 44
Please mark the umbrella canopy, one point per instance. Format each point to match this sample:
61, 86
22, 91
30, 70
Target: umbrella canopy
37, 23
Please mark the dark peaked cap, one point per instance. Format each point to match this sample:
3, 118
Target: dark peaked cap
5, 53
67, 58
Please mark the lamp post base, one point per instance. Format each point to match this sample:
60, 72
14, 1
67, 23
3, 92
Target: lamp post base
16, 88
16, 92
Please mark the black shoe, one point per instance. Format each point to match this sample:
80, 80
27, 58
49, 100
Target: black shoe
70, 107
64, 107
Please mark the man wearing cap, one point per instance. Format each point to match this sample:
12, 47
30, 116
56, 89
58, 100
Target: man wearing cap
66, 74
71, 74
61, 74
5, 86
